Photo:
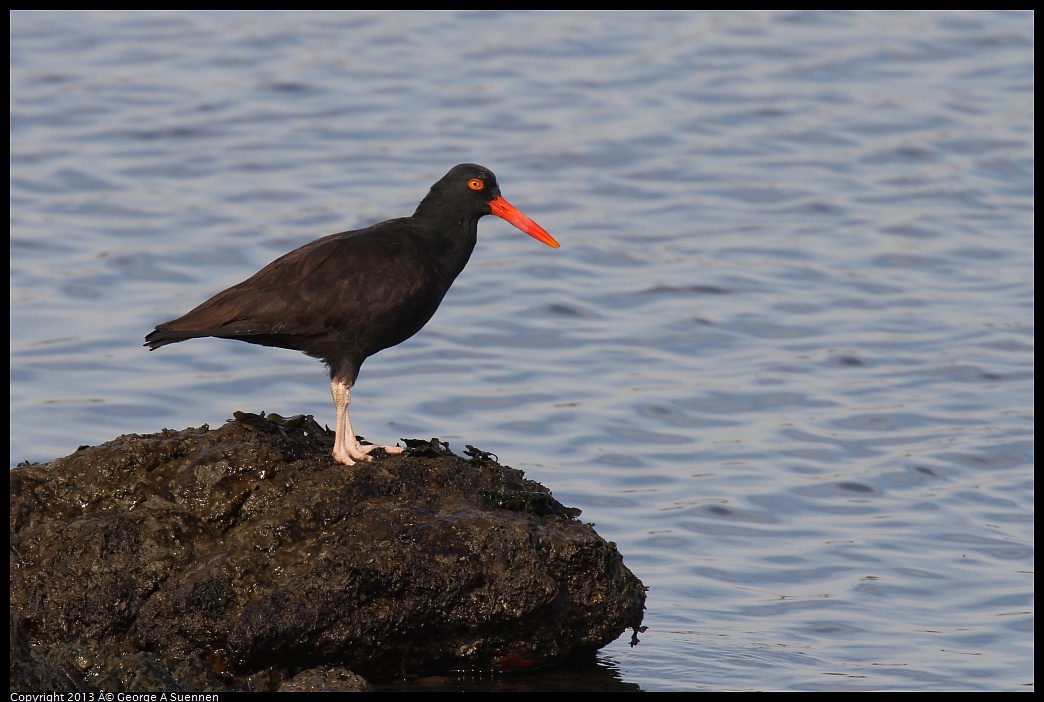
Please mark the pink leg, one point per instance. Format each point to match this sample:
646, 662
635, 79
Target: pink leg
347, 449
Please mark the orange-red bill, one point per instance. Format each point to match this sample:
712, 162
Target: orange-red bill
508, 212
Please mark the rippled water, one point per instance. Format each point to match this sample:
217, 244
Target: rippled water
784, 357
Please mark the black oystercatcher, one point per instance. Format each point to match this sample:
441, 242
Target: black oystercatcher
346, 296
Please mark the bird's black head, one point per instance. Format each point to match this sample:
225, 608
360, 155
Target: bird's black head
470, 191
467, 189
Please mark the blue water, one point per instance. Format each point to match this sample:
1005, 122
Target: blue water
784, 357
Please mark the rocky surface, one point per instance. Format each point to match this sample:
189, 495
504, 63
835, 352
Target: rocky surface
244, 558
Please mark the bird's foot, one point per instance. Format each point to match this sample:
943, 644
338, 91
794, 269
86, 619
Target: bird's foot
354, 451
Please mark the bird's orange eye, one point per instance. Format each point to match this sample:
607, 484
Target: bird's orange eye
476, 184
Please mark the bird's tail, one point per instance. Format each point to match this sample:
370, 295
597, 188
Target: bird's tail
162, 337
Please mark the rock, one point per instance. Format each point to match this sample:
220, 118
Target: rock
244, 558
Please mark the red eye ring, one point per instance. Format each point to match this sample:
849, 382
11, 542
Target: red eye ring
476, 184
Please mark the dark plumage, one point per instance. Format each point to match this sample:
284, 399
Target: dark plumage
346, 296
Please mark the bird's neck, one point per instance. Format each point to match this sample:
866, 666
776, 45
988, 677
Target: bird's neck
450, 239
